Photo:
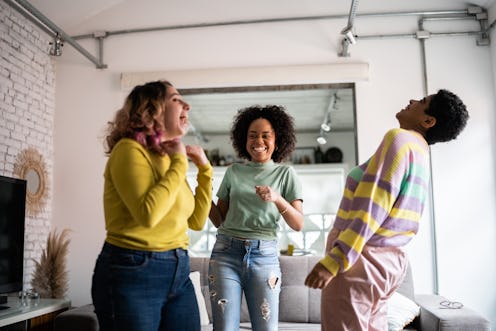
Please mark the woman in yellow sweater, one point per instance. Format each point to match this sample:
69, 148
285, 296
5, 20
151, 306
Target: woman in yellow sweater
141, 278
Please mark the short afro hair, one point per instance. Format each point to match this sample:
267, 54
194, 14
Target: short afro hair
281, 121
451, 117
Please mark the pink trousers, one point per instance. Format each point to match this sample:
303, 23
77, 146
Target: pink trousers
356, 299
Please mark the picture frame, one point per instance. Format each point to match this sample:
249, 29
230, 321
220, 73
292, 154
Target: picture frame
303, 155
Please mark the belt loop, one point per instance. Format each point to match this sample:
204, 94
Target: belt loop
179, 253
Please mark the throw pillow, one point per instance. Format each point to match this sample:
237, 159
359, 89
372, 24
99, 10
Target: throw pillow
401, 311
195, 279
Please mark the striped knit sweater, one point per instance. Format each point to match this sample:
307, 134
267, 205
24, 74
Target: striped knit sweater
383, 199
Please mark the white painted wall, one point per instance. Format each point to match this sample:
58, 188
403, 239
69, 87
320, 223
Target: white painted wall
465, 194
464, 175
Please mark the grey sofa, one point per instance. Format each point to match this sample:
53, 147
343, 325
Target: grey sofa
300, 306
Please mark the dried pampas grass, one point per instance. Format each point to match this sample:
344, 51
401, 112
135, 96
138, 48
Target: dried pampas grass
50, 277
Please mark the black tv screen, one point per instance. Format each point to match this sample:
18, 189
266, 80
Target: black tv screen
12, 220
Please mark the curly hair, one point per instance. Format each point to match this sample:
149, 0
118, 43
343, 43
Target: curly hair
451, 117
141, 117
281, 121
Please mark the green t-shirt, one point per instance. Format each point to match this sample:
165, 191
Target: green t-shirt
249, 216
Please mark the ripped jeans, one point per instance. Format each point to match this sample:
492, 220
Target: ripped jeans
249, 266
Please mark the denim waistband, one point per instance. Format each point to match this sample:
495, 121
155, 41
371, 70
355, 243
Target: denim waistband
255, 243
178, 252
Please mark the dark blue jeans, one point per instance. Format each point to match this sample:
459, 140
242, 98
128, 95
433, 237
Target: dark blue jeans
144, 291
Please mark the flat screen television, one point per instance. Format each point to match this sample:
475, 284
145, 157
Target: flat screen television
12, 221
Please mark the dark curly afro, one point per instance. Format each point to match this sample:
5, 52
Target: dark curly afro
281, 121
451, 117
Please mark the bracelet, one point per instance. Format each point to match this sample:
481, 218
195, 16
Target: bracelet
284, 211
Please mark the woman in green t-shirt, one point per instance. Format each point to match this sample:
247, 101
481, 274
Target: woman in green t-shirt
251, 200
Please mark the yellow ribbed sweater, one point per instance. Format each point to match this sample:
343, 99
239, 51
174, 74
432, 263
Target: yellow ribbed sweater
148, 203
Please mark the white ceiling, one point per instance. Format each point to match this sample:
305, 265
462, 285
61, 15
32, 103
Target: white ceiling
87, 16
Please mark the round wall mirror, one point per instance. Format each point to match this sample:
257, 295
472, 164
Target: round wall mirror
31, 167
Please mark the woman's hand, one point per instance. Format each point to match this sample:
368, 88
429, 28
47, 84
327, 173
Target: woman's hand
292, 212
319, 277
266, 193
174, 146
197, 155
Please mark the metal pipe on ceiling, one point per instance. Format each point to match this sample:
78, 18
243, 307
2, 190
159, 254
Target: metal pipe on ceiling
415, 35
433, 15
347, 32
272, 20
422, 34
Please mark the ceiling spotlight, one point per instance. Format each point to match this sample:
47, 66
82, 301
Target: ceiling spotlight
56, 49
321, 140
326, 126
326, 123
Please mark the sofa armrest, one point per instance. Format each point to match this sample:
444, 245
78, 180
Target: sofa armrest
434, 317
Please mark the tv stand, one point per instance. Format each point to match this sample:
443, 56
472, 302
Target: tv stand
33, 317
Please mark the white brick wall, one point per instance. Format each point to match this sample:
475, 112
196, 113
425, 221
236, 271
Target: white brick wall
27, 106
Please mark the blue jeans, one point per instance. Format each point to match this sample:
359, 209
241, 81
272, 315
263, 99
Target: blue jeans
249, 266
144, 291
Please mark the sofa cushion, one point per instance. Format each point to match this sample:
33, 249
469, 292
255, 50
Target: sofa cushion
401, 311
201, 265
299, 304
200, 298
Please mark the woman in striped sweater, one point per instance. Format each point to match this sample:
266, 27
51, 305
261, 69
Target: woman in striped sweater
379, 214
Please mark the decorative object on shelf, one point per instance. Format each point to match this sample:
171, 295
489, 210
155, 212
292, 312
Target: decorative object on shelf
29, 298
334, 155
50, 277
318, 155
31, 167
213, 156
303, 155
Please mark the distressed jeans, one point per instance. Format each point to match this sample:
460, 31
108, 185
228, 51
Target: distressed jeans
249, 266
136, 290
